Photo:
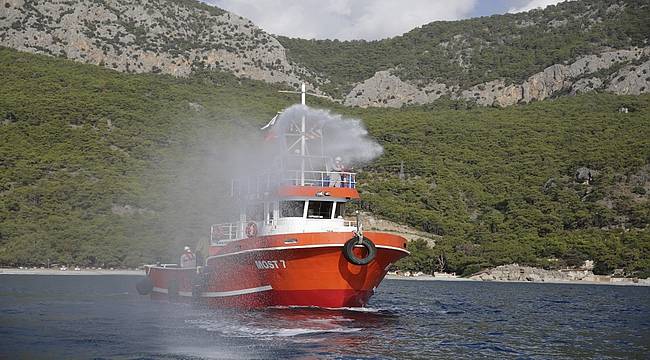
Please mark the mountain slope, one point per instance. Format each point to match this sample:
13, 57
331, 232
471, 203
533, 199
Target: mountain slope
573, 47
159, 36
444, 58
102, 168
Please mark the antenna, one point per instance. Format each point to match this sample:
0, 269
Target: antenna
304, 92
303, 131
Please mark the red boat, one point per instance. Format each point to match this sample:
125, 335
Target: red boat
292, 245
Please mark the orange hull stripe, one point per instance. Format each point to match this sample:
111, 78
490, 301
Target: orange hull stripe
310, 191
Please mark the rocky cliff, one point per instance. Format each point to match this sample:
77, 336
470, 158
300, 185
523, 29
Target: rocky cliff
159, 36
623, 72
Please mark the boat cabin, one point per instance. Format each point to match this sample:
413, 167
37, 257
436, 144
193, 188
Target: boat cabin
289, 202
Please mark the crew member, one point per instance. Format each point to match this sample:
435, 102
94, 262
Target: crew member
188, 259
335, 174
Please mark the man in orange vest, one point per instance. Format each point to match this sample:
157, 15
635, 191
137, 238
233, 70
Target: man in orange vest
188, 260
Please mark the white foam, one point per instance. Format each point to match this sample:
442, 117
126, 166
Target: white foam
234, 330
304, 331
331, 320
357, 309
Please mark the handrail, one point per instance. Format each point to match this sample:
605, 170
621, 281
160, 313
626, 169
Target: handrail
226, 232
322, 178
349, 223
259, 184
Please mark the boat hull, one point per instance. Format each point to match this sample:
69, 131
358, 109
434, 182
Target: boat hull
282, 270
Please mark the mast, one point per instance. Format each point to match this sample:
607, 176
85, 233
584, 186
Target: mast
302, 139
303, 129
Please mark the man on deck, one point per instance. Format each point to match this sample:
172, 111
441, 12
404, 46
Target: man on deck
335, 173
188, 260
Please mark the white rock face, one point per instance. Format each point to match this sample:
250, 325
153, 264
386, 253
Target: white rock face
586, 85
514, 272
493, 93
544, 84
159, 36
387, 90
631, 80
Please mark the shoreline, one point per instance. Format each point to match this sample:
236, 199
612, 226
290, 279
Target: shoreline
427, 278
625, 282
550, 279
15, 271
129, 272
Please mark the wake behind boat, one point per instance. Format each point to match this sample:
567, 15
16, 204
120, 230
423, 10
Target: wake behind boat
292, 245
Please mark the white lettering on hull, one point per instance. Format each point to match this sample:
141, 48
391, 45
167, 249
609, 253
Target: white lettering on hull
270, 264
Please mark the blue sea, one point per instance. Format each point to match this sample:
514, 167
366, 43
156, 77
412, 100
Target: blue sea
90, 317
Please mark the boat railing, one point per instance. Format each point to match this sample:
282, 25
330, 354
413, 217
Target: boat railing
225, 232
321, 178
260, 184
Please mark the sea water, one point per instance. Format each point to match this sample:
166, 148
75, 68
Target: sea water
70, 317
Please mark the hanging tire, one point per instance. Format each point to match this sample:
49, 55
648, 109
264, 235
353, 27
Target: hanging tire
144, 286
348, 251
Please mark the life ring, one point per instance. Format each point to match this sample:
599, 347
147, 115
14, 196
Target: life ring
144, 286
348, 251
251, 229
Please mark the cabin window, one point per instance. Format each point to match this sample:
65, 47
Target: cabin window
320, 209
292, 208
340, 210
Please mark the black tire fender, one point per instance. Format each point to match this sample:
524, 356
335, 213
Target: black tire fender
348, 251
199, 285
144, 286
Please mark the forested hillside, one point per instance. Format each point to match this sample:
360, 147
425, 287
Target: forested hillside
104, 168
99, 167
468, 52
511, 185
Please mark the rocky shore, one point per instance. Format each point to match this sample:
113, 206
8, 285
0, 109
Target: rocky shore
515, 272
518, 273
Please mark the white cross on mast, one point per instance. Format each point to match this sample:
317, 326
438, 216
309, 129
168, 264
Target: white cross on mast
303, 92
